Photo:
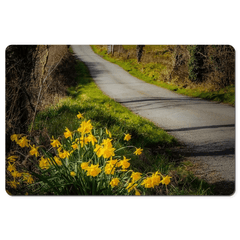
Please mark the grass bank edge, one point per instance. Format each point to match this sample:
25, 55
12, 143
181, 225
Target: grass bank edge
225, 95
79, 101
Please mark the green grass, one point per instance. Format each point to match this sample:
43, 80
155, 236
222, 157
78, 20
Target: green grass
150, 73
105, 112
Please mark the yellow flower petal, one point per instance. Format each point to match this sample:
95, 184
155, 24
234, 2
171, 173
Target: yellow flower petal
114, 182
138, 151
79, 115
127, 137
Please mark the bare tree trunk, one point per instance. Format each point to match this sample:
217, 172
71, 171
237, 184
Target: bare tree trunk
139, 52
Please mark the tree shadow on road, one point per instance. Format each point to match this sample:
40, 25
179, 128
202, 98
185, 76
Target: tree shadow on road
162, 102
197, 128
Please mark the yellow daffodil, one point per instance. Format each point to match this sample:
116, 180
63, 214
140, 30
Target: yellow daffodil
111, 166
55, 142
86, 127
34, 151
107, 143
105, 149
136, 176
16, 174
73, 174
93, 170
98, 150
14, 137
156, 179
166, 180
108, 152
138, 151
108, 133
114, 182
130, 186
84, 165
67, 133
127, 137
44, 163
147, 183
11, 167
91, 139
64, 154
58, 161
59, 149
79, 115
124, 163
151, 182
74, 146
28, 178
12, 158
13, 184
83, 141
112, 162
23, 142
109, 169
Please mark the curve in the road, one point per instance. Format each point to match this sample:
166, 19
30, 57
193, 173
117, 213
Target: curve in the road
207, 128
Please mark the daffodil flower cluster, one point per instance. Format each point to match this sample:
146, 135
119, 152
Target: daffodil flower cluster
155, 180
83, 161
105, 149
132, 184
17, 176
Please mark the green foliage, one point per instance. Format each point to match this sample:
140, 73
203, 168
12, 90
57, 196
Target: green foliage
67, 176
195, 63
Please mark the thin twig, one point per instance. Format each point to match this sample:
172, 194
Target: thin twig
39, 94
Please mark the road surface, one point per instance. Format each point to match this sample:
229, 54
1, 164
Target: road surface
206, 128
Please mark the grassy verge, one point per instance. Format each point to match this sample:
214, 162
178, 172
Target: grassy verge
146, 73
105, 112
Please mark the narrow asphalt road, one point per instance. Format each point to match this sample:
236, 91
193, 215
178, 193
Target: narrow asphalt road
206, 128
